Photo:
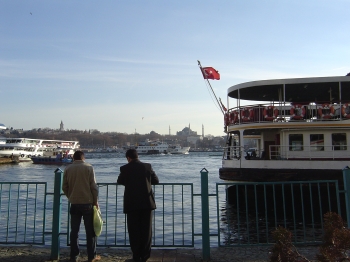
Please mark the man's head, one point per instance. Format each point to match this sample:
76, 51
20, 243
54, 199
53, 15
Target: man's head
131, 154
78, 155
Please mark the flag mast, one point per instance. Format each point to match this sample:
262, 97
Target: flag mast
206, 78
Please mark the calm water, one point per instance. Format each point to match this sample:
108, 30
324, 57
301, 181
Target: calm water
169, 168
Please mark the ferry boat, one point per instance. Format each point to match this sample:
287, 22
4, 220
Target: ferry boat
149, 147
26, 148
287, 130
177, 149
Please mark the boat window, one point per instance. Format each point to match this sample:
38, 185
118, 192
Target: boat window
316, 142
339, 141
296, 142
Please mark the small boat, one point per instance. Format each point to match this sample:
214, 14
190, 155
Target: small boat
289, 129
177, 149
52, 160
55, 156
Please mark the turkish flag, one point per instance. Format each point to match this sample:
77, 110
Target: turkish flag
210, 73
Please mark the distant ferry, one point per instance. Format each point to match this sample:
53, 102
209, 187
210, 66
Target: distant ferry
26, 148
149, 147
177, 149
296, 129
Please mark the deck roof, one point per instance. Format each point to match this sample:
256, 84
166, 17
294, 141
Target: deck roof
299, 90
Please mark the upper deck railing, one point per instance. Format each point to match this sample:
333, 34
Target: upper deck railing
289, 152
287, 112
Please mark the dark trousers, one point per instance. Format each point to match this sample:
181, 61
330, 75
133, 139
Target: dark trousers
85, 211
140, 233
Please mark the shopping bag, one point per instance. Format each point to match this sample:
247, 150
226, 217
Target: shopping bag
98, 222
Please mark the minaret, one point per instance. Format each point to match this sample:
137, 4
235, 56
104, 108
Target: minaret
202, 130
61, 126
169, 131
189, 129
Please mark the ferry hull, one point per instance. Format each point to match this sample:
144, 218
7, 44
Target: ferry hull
278, 175
51, 161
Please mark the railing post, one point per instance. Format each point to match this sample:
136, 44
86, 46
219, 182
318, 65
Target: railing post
56, 215
346, 180
205, 215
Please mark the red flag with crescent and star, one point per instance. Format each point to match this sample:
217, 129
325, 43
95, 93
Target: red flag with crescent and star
210, 73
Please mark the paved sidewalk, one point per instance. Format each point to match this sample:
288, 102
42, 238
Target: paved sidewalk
238, 254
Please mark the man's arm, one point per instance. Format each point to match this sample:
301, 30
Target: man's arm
94, 187
154, 177
65, 184
120, 179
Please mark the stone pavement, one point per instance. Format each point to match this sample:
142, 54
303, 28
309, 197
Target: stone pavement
27, 253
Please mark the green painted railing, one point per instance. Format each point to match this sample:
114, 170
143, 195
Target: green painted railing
245, 213
254, 210
22, 213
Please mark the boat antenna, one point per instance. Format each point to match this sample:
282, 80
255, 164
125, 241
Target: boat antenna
211, 75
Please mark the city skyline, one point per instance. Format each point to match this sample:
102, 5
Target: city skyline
131, 65
186, 129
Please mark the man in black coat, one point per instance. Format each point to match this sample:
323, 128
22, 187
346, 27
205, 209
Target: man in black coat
138, 178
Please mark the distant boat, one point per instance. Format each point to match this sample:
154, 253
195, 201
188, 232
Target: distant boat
177, 149
149, 147
56, 156
52, 161
26, 148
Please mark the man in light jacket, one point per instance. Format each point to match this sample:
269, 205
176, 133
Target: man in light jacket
79, 185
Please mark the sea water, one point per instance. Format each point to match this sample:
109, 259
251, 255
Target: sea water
169, 168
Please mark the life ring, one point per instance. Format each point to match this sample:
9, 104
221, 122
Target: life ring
226, 119
270, 113
344, 109
326, 111
234, 117
247, 114
297, 112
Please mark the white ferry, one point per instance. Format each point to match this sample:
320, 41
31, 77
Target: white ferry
26, 148
177, 149
149, 147
296, 129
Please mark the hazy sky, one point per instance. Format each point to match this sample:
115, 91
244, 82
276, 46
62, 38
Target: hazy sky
132, 65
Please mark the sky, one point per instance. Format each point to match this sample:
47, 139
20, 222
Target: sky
131, 66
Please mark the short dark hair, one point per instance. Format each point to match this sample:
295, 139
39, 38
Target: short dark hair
78, 155
131, 153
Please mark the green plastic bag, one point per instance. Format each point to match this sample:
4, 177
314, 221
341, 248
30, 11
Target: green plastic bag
98, 222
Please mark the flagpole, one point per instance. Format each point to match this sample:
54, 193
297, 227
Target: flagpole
200, 66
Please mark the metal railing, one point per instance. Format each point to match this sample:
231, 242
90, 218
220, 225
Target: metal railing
173, 222
288, 152
22, 213
245, 213
278, 152
281, 112
254, 210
